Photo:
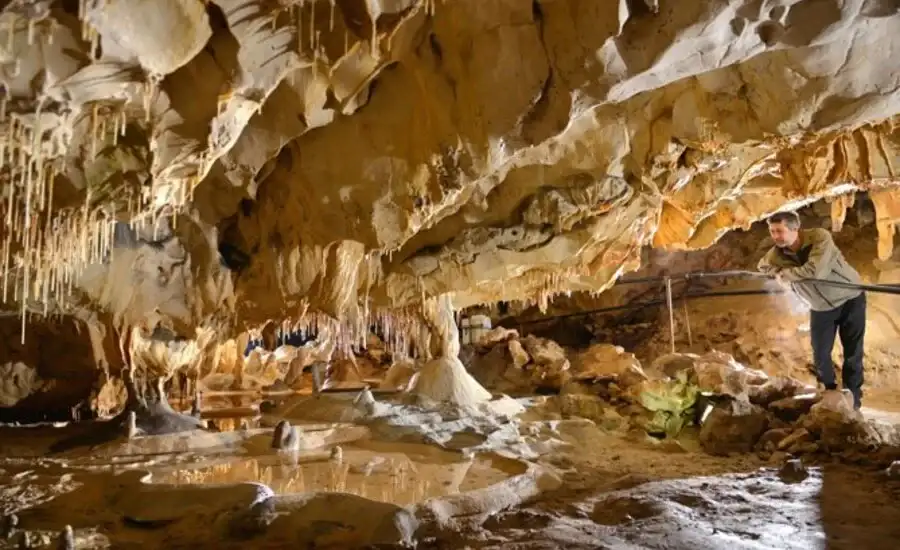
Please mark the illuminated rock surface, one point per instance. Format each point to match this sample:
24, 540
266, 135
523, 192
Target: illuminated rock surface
183, 179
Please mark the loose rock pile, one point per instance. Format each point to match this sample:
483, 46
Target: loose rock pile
738, 409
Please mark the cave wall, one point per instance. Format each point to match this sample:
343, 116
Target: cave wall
63, 365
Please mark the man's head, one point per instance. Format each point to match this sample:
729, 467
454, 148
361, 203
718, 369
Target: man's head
784, 227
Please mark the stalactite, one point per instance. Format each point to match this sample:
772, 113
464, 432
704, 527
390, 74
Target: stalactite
331, 15
40, 242
312, 26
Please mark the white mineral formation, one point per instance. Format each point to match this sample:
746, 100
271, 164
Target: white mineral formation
160, 165
445, 379
131, 429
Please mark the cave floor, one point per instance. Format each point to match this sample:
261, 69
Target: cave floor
618, 491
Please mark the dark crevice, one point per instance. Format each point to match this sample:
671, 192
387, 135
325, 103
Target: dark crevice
537, 12
436, 48
246, 206
223, 47
641, 8
217, 19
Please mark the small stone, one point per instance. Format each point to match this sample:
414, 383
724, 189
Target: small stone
793, 471
66, 539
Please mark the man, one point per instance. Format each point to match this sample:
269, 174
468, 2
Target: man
811, 254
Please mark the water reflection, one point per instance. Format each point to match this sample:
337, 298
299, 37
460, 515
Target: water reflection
399, 473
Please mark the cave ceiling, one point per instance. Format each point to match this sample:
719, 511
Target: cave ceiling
275, 157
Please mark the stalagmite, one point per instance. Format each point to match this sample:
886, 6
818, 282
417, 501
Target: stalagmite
285, 436
66, 539
445, 379
196, 406
131, 425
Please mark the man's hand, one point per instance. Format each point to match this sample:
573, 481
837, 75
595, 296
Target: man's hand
782, 282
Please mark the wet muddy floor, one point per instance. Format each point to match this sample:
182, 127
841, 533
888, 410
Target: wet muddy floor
618, 490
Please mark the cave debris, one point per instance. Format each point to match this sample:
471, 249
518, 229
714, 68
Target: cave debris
793, 471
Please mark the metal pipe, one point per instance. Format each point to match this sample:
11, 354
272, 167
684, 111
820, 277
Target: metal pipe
885, 289
650, 303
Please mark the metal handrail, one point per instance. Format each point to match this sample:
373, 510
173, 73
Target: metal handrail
886, 289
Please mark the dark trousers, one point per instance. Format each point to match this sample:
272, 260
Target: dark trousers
849, 322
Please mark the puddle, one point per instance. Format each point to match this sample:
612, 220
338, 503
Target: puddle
402, 474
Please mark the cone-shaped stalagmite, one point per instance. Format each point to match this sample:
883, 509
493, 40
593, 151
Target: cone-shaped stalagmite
445, 379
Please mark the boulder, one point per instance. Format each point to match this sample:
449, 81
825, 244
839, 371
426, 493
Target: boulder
834, 421
606, 360
713, 372
790, 409
518, 354
496, 336
670, 365
733, 426
719, 373
776, 389
544, 351
838, 427
496, 370
549, 367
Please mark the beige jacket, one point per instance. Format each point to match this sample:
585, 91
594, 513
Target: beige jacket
818, 258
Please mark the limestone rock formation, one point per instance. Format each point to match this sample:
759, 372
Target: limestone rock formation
733, 427
214, 164
60, 372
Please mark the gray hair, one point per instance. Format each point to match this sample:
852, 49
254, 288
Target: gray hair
790, 219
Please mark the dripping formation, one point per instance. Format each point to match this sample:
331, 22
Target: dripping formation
436, 189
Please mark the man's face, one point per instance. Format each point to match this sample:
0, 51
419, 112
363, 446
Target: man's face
783, 235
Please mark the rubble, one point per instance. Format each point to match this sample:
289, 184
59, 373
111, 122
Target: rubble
733, 426
738, 409
793, 471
